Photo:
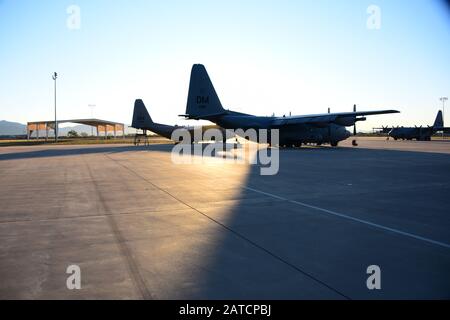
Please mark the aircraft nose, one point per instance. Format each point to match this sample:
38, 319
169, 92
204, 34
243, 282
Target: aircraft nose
348, 133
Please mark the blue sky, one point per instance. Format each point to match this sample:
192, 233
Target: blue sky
263, 57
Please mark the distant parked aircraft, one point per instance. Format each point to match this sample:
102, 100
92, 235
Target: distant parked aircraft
143, 121
419, 133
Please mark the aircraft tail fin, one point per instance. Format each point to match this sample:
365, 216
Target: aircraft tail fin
439, 122
141, 117
202, 98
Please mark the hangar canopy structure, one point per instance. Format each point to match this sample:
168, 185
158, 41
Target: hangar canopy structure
102, 126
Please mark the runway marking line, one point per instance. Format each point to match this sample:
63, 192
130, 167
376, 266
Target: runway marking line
344, 216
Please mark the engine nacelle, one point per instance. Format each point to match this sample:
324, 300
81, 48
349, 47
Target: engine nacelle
348, 121
345, 121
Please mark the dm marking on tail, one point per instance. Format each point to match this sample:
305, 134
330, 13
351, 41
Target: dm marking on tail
202, 98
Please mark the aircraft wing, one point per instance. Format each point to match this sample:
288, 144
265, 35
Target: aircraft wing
445, 129
325, 118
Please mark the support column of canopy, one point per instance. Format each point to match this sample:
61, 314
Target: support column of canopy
119, 127
30, 128
102, 128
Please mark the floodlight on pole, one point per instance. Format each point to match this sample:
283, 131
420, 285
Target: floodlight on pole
54, 77
92, 106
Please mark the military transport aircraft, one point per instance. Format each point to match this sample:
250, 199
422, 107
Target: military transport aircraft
203, 103
418, 133
143, 121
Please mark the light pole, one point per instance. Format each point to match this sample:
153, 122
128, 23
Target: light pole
92, 106
443, 99
55, 76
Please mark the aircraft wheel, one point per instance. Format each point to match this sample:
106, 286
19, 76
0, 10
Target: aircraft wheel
334, 144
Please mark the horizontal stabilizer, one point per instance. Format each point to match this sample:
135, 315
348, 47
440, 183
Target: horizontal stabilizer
203, 116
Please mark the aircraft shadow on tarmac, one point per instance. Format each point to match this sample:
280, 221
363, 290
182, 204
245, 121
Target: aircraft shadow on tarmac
71, 151
273, 243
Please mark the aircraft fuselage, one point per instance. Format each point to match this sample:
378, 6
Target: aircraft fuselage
409, 133
293, 134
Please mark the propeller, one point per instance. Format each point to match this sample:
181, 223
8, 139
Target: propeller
354, 129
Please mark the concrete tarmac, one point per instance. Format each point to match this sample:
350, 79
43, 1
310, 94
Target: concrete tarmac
142, 227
